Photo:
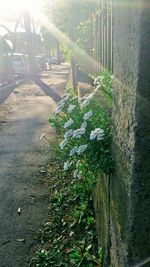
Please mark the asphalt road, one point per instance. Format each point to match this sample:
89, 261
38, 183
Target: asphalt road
23, 119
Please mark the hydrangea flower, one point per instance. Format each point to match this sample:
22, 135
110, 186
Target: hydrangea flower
84, 124
68, 134
63, 144
73, 151
62, 103
97, 88
67, 165
87, 100
71, 108
81, 149
78, 133
75, 174
97, 80
59, 108
66, 96
98, 134
68, 123
87, 115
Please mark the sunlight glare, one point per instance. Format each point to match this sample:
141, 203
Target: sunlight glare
18, 6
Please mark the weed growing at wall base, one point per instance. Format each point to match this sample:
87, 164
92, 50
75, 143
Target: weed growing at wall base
69, 237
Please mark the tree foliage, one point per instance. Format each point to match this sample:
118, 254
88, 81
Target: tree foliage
68, 15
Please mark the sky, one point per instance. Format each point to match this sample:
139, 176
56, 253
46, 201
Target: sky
10, 11
8, 6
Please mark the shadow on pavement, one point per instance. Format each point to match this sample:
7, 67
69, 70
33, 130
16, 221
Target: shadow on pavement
6, 91
47, 90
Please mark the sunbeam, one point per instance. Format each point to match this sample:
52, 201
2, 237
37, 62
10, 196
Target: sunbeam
81, 55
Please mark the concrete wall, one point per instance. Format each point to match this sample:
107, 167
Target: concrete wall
130, 184
102, 214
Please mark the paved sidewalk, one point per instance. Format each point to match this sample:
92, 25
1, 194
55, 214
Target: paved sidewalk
23, 119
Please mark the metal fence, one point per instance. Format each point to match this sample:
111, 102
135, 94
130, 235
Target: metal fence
101, 35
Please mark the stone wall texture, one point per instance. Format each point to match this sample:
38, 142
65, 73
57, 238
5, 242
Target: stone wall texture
101, 208
130, 186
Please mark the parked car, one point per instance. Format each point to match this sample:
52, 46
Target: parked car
6, 69
41, 61
19, 64
54, 60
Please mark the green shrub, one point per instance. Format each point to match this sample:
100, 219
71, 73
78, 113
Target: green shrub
85, 129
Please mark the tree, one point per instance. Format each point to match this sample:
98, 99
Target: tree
69, 16
29, 41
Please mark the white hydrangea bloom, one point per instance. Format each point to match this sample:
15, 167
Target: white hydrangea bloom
63, 144
84, 125
60, 106
71, 108
67, 165
98, 134
68, 134
97, 80
75, 174
87, 115
78, 133
73, 151
58, 111
87, 100
62, 102
68, 123
97, 88
81, 149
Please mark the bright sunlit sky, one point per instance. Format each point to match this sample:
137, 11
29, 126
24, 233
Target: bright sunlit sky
9, 9
7, 6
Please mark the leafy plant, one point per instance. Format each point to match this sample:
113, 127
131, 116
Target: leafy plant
84, 152
86, 130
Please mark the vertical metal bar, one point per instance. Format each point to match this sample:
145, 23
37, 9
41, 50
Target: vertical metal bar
91, 38
104, 31
107, 34
102, 34
111, 36
98, 36
100, 41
